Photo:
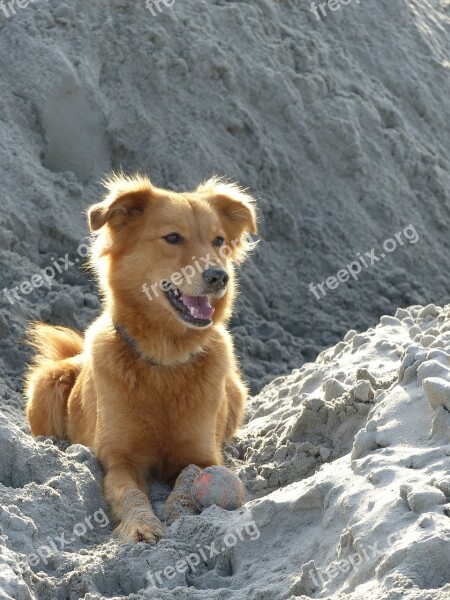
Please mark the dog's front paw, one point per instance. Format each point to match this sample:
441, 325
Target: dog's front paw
141, 529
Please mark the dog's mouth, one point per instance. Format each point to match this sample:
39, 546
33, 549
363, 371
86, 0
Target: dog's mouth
195, 310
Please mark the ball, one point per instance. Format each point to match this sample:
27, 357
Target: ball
217, 485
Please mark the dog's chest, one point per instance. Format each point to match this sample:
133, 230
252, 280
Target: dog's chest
170, 415
180, 401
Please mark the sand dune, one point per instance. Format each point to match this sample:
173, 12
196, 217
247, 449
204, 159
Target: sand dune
340, 127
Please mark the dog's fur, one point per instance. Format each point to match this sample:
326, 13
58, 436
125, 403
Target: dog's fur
159, 394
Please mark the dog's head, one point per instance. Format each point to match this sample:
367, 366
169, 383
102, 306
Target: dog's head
172, 255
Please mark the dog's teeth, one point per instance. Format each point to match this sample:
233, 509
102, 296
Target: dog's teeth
192, 311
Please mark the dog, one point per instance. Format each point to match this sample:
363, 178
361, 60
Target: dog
153, 385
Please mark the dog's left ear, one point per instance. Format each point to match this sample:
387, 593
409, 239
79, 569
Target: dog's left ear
237, 209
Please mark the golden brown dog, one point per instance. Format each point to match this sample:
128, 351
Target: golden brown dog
153, 385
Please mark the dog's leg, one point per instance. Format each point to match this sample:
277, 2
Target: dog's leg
126, 490
236, 394
180, 502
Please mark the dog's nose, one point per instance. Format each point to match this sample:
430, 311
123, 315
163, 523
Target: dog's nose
215, 279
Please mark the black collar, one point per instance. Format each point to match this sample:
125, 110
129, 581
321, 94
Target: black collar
135, 346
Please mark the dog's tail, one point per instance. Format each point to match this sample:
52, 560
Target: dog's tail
51, 376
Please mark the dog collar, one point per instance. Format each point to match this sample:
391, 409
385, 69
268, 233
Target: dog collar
141, 354
135, 346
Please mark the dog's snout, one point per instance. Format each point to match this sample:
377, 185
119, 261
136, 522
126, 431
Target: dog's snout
215, 279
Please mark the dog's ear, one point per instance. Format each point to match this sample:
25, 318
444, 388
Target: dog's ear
124, 204
237, 209
116, 212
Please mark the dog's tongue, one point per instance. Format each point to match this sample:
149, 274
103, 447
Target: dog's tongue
201, 303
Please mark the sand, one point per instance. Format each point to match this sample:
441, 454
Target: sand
340, 128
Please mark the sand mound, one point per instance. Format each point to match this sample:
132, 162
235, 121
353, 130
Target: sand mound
339, 126
346, 466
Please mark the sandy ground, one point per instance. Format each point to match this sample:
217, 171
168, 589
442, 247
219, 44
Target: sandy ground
340, 127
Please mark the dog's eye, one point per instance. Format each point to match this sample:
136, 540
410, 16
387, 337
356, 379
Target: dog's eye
218, 241
173, 238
